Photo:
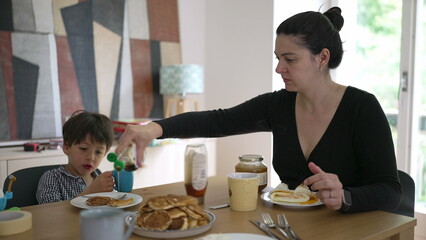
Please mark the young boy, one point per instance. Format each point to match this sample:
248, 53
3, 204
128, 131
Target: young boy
87, 139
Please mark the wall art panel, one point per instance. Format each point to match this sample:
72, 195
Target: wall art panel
97, 55
7, 76
25, 85
43, 16
4, 121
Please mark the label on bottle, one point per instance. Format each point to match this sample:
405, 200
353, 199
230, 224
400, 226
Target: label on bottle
199, 171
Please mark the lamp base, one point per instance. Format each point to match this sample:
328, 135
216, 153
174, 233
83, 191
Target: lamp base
180, 105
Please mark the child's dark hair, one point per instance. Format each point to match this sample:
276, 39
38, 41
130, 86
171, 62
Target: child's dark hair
317, 31
81, 123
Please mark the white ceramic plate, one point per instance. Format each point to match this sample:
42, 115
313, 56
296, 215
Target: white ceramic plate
266, 197
174, 233
80, 202
243, 236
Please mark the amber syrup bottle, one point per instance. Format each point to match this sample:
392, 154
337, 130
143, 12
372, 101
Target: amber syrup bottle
196, 171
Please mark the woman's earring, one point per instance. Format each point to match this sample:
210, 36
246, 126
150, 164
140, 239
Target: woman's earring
320, 69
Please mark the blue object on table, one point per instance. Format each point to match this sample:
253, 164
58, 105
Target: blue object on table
3, 200
123, 180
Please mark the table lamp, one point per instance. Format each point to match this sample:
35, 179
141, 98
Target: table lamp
178, 81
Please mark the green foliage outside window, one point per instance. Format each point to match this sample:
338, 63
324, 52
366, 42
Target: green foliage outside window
379, 35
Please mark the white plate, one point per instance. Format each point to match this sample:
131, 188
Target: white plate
174, 233
265, 197
242, 236
80, 202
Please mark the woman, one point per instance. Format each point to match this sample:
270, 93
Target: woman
333, 138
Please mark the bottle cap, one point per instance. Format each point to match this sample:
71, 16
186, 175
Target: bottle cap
118, 165
112, 157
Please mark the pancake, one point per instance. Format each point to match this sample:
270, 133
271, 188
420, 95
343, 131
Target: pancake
199, 210
159, 203
282, 194
158, 220
302, 188
289, 196
158, 213
176, 213
202, 222
282, 187
192, 223
191, 213
98, 201
120, 202
179, 200
180, 223
107, 201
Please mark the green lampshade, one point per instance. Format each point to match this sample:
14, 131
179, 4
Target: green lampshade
181, 79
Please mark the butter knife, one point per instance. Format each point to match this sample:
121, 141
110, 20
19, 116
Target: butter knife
264, 228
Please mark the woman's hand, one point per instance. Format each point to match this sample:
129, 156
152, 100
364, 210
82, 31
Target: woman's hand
142, 136
328, 186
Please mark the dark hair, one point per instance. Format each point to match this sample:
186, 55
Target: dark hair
81, 123
317, 31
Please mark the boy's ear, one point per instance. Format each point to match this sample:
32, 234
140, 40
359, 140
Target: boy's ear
65, 149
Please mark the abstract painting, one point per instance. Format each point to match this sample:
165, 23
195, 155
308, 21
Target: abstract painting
59, 56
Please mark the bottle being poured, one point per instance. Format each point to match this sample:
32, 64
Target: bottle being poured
125, 160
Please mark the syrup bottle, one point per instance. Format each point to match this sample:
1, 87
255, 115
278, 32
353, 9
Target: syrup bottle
196, 171
124, 160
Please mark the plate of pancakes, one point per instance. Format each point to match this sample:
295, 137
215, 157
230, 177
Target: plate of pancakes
111, 199
172, 216
301, 197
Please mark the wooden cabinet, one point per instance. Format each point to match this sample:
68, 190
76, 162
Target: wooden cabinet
163, 164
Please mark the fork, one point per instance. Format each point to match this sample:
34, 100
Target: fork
120, 197
283, 223
270, 224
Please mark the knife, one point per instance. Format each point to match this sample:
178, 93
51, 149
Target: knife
264, 228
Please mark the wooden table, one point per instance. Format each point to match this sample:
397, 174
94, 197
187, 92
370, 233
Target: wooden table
61, 220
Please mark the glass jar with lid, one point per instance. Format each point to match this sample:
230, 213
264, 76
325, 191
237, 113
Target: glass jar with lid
253, 163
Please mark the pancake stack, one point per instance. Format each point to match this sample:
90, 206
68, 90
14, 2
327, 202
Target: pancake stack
171, 212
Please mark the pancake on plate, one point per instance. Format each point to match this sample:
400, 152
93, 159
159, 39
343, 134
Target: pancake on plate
159, 203
108, 201
98, 201
171, 212
120, 202
301, 194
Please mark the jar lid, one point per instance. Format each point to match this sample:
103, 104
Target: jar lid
251, 157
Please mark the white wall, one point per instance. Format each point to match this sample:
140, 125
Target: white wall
237, 37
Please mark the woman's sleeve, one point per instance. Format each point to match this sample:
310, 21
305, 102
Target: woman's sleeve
380, 187
48, 189
248, 117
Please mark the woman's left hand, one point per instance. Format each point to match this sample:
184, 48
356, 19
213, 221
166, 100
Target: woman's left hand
328, 186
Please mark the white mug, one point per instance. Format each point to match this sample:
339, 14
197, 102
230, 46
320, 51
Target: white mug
105, 223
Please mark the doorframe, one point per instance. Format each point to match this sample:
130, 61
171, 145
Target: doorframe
404, 148
408, 121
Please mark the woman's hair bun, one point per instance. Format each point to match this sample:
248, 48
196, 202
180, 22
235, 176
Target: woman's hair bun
334, 14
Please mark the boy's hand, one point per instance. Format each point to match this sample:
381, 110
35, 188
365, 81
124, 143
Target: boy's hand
102, 183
